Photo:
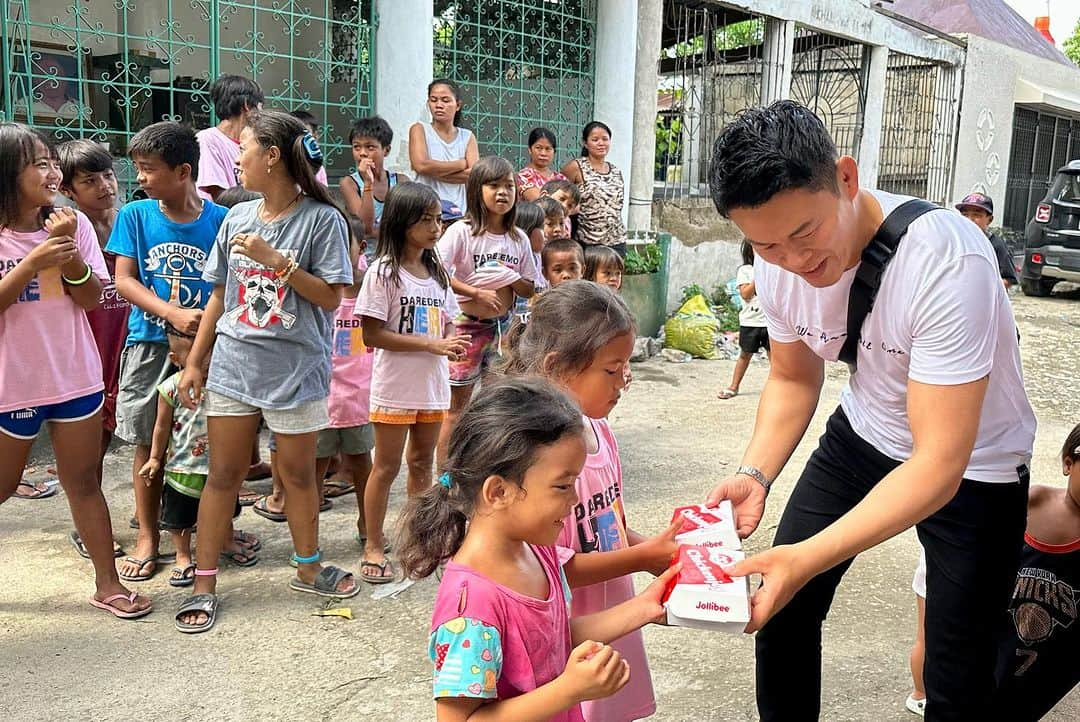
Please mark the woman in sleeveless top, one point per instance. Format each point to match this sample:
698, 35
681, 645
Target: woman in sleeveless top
602, 190
441, 153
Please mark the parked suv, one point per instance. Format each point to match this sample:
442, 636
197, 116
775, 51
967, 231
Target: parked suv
1052, 247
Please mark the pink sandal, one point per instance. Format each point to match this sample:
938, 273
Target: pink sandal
107, 605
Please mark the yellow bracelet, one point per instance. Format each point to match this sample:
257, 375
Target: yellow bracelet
78, 281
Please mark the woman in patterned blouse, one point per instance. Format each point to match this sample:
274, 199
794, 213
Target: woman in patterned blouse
538, 170
602, 189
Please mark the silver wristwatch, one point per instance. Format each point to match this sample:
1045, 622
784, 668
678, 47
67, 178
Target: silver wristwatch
755, 473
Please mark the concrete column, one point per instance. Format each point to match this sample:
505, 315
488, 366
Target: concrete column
404, 58
778, 50
646, 81
870, 143
613, 94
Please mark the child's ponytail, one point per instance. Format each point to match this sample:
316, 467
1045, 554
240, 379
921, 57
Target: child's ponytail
498, 434
299, 151
431, 529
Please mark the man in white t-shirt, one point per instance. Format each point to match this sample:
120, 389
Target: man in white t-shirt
934, 428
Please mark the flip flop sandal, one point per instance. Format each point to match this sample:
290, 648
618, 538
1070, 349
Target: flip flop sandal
35, 492
80, 548
207, 603
333, 488
247, 496
259, 508
133, 523
326, 583
362, 541
250, 541
108, 606
326, 505
142, 564
381, 577
240, 559
166, 558
727, 394
182, 576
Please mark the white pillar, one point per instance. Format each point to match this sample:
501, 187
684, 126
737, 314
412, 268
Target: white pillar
613, 95
404, 58
870, 143
778, 51
646, 81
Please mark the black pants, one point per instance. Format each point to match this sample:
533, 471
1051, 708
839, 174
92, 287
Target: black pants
972, 553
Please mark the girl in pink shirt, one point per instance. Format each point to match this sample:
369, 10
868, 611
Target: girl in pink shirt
501, 639
51, 273
407, 308
581, 335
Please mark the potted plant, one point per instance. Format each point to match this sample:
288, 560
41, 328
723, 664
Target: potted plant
644, 286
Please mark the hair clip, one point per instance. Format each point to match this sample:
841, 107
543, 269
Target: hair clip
444, 479
311, 147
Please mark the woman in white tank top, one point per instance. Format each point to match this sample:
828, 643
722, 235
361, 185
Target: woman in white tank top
441, 154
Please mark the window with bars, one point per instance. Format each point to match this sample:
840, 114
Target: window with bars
105, 69
1041, 144
521, 64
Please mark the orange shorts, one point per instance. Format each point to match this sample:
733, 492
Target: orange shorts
406, 417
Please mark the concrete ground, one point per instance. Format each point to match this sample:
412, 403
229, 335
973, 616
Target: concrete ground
269, 658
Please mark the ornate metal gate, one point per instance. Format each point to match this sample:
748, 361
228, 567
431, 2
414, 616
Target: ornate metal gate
829, 77
104, 69
918, 129
710, 68
521, 63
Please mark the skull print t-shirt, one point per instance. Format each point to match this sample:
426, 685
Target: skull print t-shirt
170, 257
273, 345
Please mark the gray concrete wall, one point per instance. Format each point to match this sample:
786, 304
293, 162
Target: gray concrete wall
990, 91
704, 246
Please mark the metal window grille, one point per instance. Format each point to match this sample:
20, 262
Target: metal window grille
829, 77
521, 64
918, 129
711, 67
105, 69
1041, 143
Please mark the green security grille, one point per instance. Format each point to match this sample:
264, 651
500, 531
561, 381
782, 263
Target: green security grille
521, 63
104, 69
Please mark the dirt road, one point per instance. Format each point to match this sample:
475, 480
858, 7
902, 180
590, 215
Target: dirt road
269, 659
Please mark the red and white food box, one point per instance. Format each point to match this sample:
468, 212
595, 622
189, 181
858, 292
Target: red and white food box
703, 595
701, 524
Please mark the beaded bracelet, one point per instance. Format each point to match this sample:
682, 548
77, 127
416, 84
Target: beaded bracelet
78, 281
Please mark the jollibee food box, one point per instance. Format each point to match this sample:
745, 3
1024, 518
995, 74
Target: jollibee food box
701, 523
703, 595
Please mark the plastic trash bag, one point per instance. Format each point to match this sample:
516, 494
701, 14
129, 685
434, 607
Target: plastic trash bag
693, 329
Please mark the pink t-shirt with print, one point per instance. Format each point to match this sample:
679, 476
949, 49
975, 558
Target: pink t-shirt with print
217, 160
465, 255
350, 378
47, 350
598, 524
412, 306
531, 637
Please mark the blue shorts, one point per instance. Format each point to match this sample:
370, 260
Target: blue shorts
27, 423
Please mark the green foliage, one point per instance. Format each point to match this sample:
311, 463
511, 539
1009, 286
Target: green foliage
690, 291
643, 259
668, 141
725, 309
1071, 46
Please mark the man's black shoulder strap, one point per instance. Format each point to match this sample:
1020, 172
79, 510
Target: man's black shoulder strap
875, 257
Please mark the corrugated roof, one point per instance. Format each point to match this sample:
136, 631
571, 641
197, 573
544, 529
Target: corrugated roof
991, 19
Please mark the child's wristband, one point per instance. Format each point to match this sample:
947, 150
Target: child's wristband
78, 281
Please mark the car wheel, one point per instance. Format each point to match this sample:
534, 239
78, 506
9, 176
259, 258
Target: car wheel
1037, 287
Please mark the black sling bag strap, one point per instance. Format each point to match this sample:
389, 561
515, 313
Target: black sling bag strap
875, 257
